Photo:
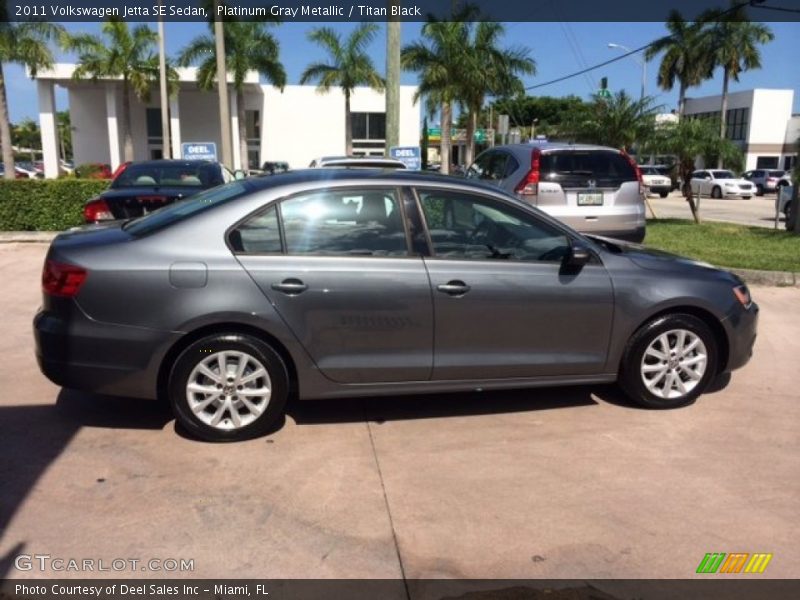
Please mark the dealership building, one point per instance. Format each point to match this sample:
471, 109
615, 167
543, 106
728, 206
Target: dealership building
293, 126
759, 121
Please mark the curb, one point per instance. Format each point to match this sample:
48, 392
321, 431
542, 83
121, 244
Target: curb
27, 236
751, 276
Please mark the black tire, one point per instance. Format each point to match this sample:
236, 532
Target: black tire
759, 190
631, 379
663, 194
277, 381
716, 192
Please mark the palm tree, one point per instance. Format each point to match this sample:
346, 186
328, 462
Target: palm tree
26, 134
618, 121
248, 47
122, 53
350, 66
735, 47
439, 60
489, 69
688, 139
23, 44
687, 56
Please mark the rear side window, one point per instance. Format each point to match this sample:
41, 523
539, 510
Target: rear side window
344, 223
258, 234
578, 168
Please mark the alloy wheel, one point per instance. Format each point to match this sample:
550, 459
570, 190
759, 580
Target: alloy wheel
674, 363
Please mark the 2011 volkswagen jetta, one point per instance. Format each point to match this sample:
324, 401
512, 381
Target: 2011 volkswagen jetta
329, 283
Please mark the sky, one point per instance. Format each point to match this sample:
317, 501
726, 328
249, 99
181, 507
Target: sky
558, 49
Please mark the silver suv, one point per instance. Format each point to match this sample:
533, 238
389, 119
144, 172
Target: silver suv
593, 189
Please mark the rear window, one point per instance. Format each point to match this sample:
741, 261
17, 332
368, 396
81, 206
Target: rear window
190, 174
579, 168
179, 211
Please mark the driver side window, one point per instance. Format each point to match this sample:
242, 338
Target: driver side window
469, 227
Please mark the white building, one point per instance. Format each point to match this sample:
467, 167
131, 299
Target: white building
760, 121
294, 126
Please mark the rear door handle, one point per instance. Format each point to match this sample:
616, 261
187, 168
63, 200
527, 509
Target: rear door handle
290, 287
454, 288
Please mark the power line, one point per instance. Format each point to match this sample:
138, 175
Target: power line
646, 46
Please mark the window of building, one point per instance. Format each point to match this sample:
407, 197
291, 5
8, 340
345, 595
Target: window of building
789, 162
368, 125
154, 132
252, 119
767, 162
736, 123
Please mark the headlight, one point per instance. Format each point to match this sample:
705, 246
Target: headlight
743, 295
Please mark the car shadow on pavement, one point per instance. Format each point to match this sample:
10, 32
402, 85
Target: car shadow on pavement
33, 437
437, 406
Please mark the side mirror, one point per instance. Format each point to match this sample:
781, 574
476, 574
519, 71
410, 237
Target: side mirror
578, 255
239, 174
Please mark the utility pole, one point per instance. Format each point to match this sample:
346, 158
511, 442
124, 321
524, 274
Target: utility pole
166, 147
392, 79
222, 88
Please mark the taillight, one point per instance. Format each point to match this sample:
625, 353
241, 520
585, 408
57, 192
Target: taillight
60, 279
638, 171
529, 186
97, 210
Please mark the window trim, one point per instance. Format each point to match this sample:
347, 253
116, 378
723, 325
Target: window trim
278, 204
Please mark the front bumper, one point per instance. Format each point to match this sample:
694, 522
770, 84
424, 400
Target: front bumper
737, 193
742, 329
659, 189
76, 352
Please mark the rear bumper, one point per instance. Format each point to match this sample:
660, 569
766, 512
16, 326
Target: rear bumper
742, 328
76, 352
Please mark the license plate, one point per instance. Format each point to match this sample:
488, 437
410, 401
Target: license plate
590, 198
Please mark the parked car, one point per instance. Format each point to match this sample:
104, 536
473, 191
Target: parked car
274, 167
142, 187
363, 162
655, 181
18, 173
765, 180
786, 179
331, 283
720, 183
28, 169
591, 188
94, 171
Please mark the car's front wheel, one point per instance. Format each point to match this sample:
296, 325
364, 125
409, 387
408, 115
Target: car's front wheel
669, 362
663, 194
716, 192
228, 387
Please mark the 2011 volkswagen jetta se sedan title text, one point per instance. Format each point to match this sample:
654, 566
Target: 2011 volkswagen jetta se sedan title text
334, 283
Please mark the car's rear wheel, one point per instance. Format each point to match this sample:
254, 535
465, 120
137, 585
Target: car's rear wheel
669, 362
716, 192
228, 387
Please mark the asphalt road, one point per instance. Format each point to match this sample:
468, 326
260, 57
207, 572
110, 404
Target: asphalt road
758, 210
555, 483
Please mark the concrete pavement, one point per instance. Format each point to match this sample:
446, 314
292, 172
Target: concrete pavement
555, 483
758, 211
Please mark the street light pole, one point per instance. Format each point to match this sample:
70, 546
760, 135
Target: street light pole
639, 61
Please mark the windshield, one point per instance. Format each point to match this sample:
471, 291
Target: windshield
649, 171
185, 174
723, 175
174, 213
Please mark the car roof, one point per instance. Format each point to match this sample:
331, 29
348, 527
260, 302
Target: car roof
166, 162
393, 176
553, 146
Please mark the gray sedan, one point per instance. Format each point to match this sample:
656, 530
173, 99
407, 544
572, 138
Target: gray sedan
335, 283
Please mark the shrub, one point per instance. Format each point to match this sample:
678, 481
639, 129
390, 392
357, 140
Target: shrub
45, 204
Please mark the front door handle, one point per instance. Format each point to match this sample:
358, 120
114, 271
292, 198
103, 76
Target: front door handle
290, 287
454, 288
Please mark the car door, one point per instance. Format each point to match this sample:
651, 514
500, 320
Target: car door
504, 306
335, 265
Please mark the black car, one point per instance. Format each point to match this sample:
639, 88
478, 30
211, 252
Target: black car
143, 187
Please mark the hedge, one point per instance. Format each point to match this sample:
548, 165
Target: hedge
45, 204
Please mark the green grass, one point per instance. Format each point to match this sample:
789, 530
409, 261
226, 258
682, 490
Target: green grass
727, 245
